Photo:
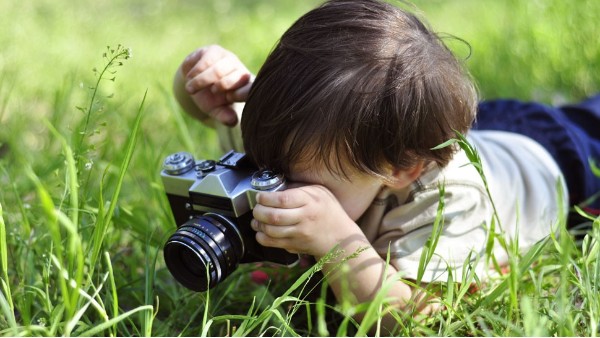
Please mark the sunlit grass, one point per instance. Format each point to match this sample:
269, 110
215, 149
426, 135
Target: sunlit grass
83, 215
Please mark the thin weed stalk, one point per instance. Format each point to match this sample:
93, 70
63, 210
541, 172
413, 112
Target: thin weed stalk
112, 57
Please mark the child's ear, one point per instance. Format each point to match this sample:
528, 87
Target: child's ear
401, 178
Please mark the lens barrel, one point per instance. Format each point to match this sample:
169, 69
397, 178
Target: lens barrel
204, 251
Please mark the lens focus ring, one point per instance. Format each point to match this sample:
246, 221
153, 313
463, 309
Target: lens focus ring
203, 251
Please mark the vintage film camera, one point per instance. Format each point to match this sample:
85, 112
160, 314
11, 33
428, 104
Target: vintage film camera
212, 204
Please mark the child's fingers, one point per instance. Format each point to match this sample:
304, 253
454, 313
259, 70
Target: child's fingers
192, 59
273, 231
214, 56
272, 242
277, 216
209, 76
285, 199
202, 58
235, 80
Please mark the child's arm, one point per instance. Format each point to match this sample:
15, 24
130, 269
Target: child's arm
310, 220
209, 81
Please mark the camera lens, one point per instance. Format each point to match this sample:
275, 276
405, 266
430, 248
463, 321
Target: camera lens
204, 251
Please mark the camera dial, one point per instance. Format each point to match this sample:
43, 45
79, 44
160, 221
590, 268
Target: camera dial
266, 179
178, 163
205, 167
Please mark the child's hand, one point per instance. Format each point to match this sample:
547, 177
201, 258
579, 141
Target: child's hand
214, 78
306, 220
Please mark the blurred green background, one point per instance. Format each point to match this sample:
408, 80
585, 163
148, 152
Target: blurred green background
545, 50
528, 49
542, 49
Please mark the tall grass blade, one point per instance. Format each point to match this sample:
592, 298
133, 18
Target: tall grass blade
75, 258
594, 167
113, 291
374, 311
55, 233
7, 309
75, 320
320, 309
25, 225
72, 184
206, 304
438, 226
100, 229
75, 267
149, 289
473, 156
242, 328
114, 321
524, 264
4, 266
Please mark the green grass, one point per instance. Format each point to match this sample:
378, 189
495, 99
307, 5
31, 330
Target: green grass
83, 214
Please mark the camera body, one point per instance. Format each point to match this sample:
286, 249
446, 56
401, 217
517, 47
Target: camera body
212, 204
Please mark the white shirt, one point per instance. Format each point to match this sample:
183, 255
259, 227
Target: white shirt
522, 179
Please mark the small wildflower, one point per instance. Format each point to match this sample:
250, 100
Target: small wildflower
41, 321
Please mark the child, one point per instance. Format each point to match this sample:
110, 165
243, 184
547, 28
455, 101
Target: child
348, 106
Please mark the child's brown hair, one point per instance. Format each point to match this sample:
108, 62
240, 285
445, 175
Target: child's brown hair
360, 82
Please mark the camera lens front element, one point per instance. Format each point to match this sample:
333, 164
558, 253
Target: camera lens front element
204, 251
178, 163
266, 180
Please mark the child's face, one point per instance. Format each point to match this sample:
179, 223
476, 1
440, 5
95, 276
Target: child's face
354, 194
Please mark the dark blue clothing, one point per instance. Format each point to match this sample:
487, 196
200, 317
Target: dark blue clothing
570, 133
